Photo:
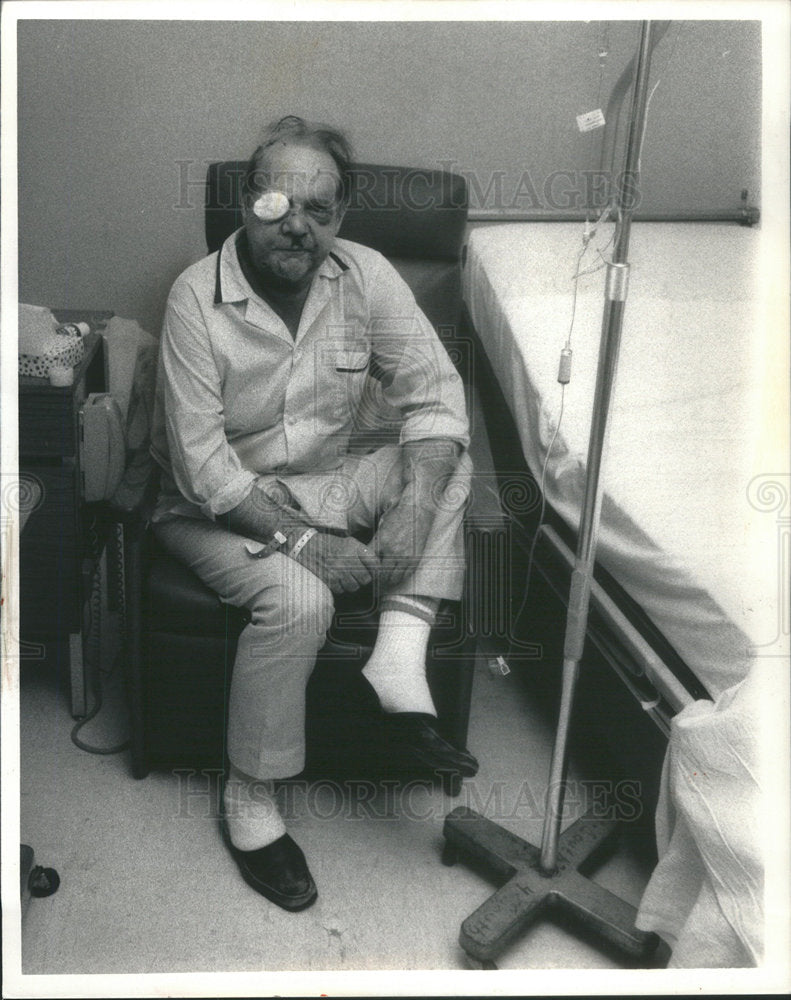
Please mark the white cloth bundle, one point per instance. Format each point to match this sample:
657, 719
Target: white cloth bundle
705, 896
41, 347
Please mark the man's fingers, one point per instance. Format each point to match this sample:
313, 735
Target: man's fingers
343, 583
354, 565
350, 583
361, 574
370, 560
354, 573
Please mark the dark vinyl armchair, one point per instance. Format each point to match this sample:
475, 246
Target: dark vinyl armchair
182, 638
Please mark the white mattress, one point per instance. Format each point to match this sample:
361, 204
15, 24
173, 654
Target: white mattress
678, 530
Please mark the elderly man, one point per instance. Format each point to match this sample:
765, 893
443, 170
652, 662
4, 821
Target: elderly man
269, 351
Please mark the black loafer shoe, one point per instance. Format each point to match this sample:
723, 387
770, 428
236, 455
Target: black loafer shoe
415, 732
278, 871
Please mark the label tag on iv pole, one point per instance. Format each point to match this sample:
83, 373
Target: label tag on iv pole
617, 284
590, 120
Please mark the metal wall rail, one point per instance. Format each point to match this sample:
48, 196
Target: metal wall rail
745, 215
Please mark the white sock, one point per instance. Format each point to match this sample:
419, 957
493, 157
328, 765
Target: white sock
251, 811
397, 667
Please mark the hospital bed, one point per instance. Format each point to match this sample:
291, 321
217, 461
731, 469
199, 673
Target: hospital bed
681, 601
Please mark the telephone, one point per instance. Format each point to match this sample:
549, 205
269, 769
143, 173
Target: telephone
102, 447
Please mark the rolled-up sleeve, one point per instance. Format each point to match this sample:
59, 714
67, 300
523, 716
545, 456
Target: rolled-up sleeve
417, 376
205, 468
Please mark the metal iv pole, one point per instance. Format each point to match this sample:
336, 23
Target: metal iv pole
534, 880
582, 575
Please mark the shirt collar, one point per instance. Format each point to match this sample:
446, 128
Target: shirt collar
230, 284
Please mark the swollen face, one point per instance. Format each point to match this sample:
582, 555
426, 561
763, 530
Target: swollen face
292, 223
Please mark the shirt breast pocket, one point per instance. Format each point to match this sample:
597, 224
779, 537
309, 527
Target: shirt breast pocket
349, 375
352, 362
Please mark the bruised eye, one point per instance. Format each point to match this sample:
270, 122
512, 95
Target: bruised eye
271, 206
321, 213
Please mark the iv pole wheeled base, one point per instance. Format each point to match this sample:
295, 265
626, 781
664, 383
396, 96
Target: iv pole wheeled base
529, 894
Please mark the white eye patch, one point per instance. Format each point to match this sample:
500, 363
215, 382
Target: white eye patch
271, 206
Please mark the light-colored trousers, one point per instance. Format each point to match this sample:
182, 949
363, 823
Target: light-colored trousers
291, 608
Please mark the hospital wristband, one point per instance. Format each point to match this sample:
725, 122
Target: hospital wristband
301, 542
260, 550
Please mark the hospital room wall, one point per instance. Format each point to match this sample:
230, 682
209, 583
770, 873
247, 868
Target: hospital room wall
118, 119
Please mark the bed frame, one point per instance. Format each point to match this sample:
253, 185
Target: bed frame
630, 671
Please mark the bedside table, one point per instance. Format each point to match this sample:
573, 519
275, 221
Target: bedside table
64, 538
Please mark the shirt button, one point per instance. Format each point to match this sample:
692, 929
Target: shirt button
291, 421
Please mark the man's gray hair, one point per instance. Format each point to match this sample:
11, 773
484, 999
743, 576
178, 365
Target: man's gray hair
324, 137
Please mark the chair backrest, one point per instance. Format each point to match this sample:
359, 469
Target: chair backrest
416, 217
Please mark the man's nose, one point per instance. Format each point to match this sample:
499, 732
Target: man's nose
294, 223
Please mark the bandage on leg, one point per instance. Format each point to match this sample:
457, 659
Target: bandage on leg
397, 667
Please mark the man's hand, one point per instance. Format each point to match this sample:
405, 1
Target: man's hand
344, 564
401, 537
404, 529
